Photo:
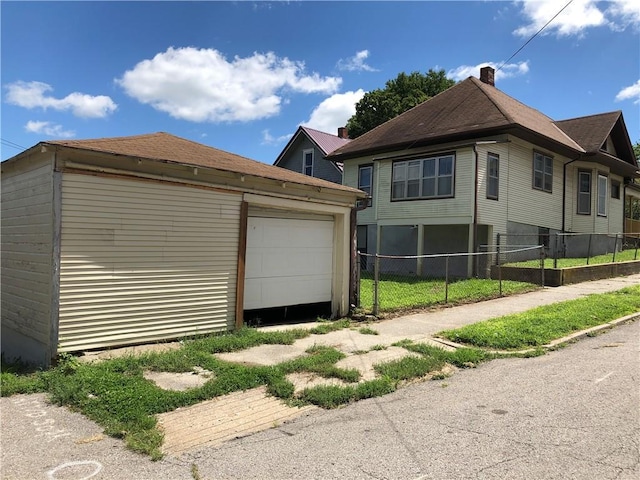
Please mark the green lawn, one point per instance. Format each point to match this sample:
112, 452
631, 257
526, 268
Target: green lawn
624, 256
543, 324
397, 292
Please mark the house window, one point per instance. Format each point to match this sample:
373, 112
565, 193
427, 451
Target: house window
307, 156
584, 193
365, 180
615, 189
603, 182
542, 172
430, 177
492, 175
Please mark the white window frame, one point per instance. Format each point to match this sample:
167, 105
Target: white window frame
307, 168
544, 175
409, 176
366, 188
493, 181
584, 193
603, 194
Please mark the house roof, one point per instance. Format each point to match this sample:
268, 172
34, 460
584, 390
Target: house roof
325, 142
591, 131
165, 147
468, 109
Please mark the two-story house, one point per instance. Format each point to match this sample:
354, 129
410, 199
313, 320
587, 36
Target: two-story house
472, 162
307, 152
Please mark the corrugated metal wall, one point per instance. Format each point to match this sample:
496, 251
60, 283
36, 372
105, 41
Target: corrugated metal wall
27, 245
143, 261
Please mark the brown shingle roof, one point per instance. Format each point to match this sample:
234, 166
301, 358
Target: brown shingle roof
469, 108
592, 131
169, 148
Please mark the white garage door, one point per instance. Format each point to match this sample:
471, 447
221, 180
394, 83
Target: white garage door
288, 262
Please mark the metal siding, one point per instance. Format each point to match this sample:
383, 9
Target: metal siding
144, 261
27, 243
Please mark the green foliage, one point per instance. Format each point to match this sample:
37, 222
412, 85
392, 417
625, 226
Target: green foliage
636, 150
623, 256
332, 396
409, 367
397, 292
398, 96
367, 331
327, 327
541, 325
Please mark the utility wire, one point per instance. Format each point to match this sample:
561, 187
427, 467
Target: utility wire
534, 35
8, 143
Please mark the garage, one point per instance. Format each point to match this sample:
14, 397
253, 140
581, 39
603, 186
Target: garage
128, 240
289, 261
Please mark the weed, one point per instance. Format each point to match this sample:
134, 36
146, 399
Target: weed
327, 327
367, 331
378, 347
408, 367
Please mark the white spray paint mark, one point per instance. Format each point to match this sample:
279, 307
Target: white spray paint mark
604, 378
97, 467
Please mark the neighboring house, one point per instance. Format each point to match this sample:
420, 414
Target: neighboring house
137, 239
472, 162
307, 152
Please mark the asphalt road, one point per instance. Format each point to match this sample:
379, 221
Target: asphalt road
573, 413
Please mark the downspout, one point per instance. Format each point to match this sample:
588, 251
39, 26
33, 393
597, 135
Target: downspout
564, 191
475, 205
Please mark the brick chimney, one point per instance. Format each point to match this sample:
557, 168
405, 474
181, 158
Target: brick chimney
343, 132
486, 76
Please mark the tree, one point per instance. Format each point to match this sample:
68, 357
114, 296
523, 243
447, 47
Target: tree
636, 151
398, 96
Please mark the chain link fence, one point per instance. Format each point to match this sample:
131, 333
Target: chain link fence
574, 249
396, 283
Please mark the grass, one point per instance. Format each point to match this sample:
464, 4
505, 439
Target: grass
398, 292
115, 394
541, 325
624, 256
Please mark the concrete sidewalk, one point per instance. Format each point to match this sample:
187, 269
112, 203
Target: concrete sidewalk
244, 413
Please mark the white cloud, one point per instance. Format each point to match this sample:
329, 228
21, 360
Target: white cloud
578, 16
34, 95
333, 112
630, 93
624, 13
507, 71
49, 129
201, 85
356, 63
268, 139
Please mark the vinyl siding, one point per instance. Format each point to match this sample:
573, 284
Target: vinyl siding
144, 261
490, 211
526, 204
27, 249
433, 211
368, 215
321, 168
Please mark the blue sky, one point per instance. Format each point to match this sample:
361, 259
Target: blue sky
241, 76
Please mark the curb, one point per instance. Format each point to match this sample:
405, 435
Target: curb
554, 343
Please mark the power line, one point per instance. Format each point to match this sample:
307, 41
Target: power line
8, 143
534, 35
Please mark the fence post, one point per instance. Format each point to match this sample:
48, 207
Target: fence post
615, 247
446, 279
635, 255
542, 266
555, 253
498, 248
358, 277
376, 281
499, 273
589, 248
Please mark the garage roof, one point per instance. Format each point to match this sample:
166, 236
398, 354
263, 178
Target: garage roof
165, 147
